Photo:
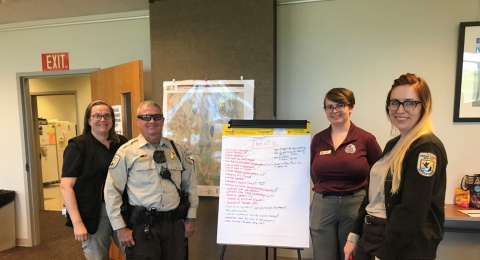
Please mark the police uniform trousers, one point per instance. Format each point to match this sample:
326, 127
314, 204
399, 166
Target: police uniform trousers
371, 239
331, 220
166, 243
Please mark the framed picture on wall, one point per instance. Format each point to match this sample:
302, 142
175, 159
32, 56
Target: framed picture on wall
467, 83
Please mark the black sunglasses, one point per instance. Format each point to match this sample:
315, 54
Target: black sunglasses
156, 117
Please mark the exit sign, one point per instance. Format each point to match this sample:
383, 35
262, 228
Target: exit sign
55, 61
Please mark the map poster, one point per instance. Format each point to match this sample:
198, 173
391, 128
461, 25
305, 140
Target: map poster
195, 111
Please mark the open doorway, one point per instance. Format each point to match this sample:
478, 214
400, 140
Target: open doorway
32, 85
118, 85
58, 120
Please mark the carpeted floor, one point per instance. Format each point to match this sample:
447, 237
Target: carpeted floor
56, 241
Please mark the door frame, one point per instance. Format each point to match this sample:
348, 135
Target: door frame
33, 183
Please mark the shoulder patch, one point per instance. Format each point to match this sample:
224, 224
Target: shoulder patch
426, 164
114, 162
187, 158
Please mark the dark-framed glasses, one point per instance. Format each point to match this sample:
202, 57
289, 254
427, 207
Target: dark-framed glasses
148, 117
408, 105
98, 117
338, 107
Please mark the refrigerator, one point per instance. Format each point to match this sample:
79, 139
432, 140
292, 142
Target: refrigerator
64, 131
48, 154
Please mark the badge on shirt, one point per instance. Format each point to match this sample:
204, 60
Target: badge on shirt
173, 155
325, 152
114, 162
426, 164
144, 157
187, 158
350, 148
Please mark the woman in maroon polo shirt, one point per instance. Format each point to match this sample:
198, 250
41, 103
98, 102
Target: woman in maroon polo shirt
340, 158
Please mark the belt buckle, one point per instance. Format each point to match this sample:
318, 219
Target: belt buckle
365, 219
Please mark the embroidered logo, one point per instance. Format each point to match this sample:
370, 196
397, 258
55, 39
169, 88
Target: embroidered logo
350, 148
426, 164
187, 158
114, 162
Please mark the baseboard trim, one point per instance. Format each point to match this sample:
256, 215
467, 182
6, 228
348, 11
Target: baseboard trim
22, 242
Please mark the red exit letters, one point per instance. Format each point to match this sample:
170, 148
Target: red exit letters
55, 61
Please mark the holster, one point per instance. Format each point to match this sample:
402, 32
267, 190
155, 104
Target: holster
182, 210
135, 212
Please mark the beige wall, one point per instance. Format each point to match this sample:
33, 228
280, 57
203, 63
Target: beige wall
99, 41
363, 46
57, 107
61, 107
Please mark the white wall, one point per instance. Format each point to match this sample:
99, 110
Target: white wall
90, 45
364, 46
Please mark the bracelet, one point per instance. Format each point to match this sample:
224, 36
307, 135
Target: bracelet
189, 219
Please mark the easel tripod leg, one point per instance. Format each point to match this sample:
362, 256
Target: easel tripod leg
223, 251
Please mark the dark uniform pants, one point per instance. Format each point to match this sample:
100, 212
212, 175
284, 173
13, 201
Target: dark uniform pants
371, 239
167, 242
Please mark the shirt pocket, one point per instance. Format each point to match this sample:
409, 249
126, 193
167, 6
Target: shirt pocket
175, 168
145, 172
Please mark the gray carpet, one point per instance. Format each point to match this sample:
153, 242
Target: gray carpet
56, 241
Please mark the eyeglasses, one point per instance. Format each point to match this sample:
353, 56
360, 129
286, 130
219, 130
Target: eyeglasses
156, 117
408, 105
338, 107
98, 117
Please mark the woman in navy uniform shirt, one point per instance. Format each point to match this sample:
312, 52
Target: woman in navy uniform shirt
402, 215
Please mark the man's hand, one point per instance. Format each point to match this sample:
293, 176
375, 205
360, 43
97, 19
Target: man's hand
125, 237
189, 228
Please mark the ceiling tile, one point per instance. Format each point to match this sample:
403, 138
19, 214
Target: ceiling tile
44, 9
14, 11
101, 6
10, 15
139, 4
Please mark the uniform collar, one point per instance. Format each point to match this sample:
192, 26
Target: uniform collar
351, 136
143, 142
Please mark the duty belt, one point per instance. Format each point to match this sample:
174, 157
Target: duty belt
372, 220
156, 216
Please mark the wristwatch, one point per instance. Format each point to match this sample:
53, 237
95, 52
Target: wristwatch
189, 219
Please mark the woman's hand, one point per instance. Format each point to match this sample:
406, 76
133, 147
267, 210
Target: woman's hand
349, 249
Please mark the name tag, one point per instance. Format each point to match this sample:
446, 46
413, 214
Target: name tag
325, 152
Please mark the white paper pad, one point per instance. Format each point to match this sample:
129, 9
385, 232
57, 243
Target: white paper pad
473, 213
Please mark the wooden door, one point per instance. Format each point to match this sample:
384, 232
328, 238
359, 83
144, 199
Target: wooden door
120, 85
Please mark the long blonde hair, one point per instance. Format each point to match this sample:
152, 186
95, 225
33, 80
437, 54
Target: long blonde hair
423, 126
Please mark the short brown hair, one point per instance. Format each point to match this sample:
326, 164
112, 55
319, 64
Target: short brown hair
340, 95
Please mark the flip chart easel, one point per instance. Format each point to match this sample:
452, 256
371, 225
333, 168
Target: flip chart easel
265, 184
